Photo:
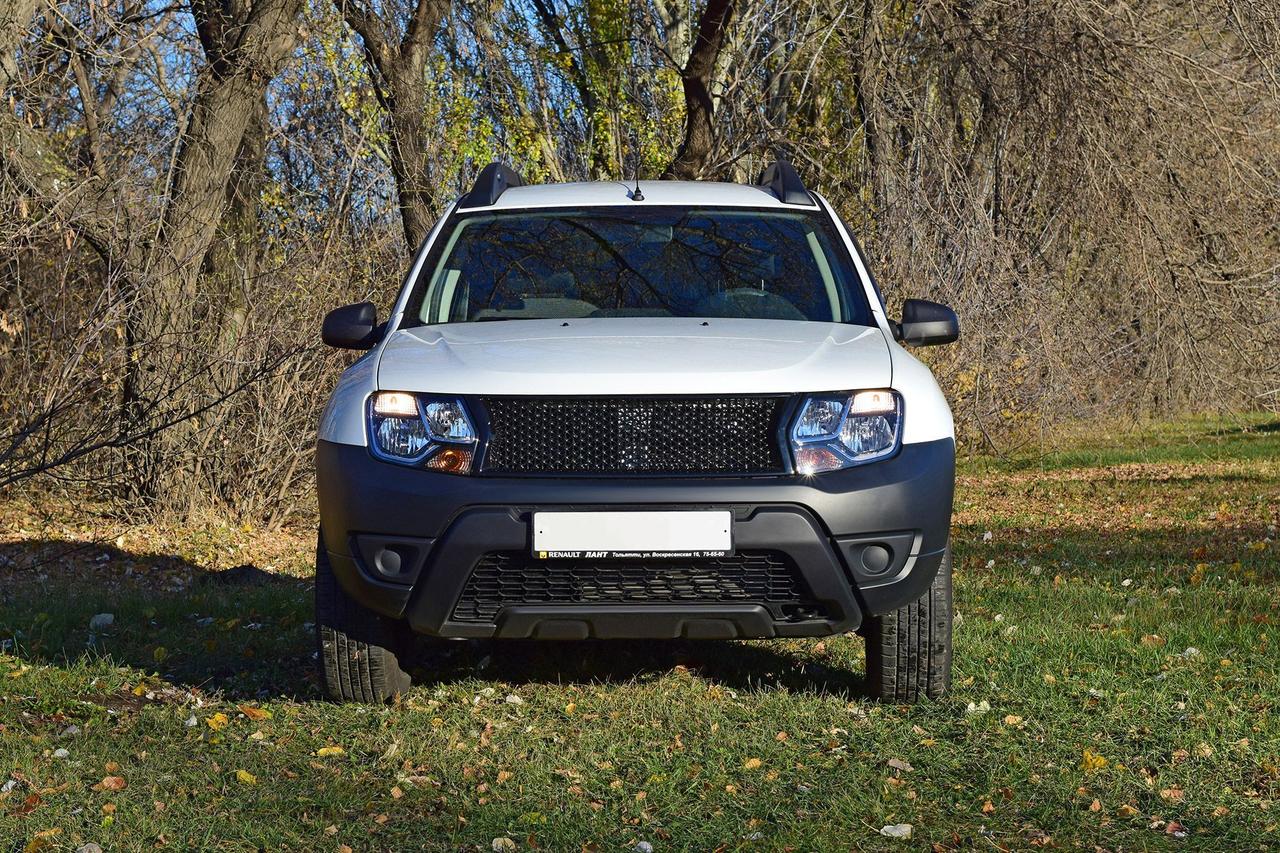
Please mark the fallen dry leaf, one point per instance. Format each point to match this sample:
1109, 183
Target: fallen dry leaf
1092, 761
256, 714
752, 764
244, 777
114, 783
42, 840
330, 750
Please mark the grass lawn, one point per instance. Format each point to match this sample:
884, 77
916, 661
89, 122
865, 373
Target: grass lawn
1116, 684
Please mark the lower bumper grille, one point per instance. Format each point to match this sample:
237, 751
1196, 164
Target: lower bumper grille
505, 578
634, 435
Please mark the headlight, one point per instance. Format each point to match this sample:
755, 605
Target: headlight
433, 432
836, 431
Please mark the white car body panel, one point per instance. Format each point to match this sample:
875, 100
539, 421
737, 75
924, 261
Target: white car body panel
925, 413
656, 194
634, 355
641, 356
342, 421
638, 355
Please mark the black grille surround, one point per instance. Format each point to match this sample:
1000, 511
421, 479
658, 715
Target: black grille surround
506, 578
704, 435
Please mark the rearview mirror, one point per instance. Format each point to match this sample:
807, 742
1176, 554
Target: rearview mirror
927, 323
352, 327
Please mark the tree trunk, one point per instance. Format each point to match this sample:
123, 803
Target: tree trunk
168, 328
699, 132
166, 337
868, 109
15, 19
414, 183
398, 72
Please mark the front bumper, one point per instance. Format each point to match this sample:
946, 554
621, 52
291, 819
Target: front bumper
863, 541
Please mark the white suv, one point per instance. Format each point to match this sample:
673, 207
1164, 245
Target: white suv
658, 410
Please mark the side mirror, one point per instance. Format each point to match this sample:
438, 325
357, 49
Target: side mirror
352, 327
927, 323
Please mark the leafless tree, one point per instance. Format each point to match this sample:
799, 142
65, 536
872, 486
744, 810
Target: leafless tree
1092, 186
397, 63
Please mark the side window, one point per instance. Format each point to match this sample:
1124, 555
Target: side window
862, 256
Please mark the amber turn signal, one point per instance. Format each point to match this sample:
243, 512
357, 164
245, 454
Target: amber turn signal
454, 460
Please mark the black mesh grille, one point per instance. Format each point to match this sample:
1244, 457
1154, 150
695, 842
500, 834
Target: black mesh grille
642, 435
504, 578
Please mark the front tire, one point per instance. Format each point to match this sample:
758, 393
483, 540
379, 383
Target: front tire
360, 651
909, 650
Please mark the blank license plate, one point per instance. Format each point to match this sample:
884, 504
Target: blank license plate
639, 534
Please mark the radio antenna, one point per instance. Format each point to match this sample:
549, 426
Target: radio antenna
636, 147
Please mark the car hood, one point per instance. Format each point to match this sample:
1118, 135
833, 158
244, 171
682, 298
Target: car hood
633, 355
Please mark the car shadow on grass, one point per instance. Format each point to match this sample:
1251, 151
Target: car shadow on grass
753, 666
239, 631
245, 633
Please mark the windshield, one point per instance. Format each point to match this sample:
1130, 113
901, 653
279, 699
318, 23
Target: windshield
655, 262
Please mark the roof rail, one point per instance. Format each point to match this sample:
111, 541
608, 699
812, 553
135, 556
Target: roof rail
781, 180
492, 181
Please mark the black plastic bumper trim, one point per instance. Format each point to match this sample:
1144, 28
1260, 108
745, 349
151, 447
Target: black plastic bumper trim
430, 607
377, 552
613, 622
816, 520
